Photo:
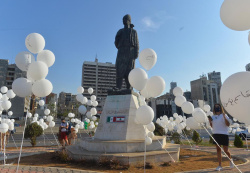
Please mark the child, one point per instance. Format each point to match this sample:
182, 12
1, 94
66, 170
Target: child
72, 135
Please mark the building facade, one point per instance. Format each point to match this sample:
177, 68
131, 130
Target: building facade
8, 73
67, 103
172, 86
206, 90
215, 77
99, 76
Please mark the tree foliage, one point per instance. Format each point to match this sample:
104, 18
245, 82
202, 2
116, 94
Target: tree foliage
32, 131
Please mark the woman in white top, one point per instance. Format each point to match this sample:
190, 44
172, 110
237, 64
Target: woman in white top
220, 123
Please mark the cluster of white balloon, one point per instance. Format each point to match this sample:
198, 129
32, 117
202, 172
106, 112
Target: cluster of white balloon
91, 118
199, 115
152, 87
36, 70
5, 104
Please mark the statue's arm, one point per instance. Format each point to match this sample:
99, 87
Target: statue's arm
137, 45
117, 38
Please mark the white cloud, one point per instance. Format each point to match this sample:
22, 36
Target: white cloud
154, 22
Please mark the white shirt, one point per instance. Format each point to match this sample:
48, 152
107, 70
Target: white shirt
65, 125
219, 125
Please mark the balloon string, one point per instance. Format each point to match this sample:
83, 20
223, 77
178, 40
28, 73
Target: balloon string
187, 138
145, 149
4, 154
21, 147
55, 137
166, 151
13, 140
221, 148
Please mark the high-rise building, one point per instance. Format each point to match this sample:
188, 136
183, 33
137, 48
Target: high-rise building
203, 89
248, 67
8, 73
172, 86
215, 77
67, 103
99, 76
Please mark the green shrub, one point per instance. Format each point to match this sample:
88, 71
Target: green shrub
196, 137
176, 137
238, 142
32, 131
159, 131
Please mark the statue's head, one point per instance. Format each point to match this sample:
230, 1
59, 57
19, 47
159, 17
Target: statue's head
127, 20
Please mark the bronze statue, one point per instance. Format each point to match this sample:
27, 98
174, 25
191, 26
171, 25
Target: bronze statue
127, 43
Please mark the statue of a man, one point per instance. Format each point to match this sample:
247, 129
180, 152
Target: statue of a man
127, 43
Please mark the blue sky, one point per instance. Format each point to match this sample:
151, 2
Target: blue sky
188, 36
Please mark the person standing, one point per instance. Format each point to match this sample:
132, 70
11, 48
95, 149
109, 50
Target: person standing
64, 127
220, 123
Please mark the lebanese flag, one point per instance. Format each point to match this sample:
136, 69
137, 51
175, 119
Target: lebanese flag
115, 119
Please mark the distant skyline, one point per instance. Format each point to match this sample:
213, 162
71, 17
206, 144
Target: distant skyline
188, 36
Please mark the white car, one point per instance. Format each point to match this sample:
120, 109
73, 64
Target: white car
243, 134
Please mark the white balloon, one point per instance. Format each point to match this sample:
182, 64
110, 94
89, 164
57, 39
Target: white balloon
144, 92
29, 115
47, 57
94, 118
5, 97
96, 123
179, 100
93, 111
23, 60
90, 90
82, 109
144, 115
70, 115
148, 140
42, 88
35, 42
155, 86
4, 127
138, 78
50, 118
73, 120
41, 102
4, 89
79, 97
147, 58
89, 114
1, 95
11, 94
151, 135
199, 115
151, 127
187, 107
85, 100
95, 103
38, 70
235, 14
206, 108
192, 123
36, 115
10, 113
177, 91
6, 105
11, 126
80, 89
89, 103
41, 121
47, 112
93, 98
235, 96
35, 119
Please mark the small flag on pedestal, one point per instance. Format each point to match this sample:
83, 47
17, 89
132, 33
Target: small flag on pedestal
116, 119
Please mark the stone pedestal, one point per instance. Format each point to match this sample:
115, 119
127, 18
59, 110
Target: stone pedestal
123, 108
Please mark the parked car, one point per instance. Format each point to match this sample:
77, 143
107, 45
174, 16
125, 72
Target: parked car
243, 134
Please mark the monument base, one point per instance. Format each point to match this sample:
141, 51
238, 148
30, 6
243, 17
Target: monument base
162, 154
